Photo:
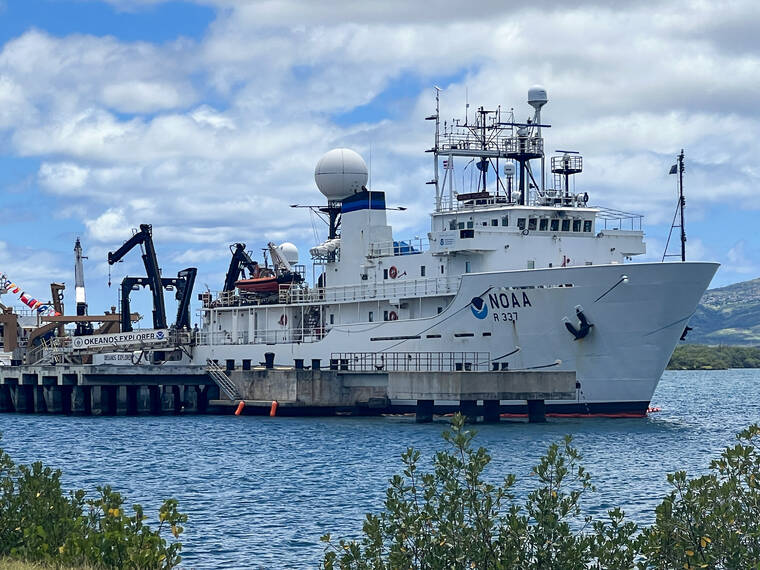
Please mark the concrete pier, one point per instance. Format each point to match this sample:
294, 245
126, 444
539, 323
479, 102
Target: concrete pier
104, 389
301, 391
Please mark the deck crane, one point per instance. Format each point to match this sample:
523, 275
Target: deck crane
182, 285
281, 265
144, 238
241, 261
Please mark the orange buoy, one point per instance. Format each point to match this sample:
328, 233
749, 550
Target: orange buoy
240, 407
273, 409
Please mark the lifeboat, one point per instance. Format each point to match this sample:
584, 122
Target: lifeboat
269, 283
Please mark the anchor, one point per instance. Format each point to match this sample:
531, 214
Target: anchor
584, 326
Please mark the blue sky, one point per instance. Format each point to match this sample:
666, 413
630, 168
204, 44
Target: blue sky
206, 119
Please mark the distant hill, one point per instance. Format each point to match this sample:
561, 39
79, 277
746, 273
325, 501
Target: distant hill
728, 315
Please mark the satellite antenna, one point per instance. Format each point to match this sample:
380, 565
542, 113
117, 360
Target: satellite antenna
537, 98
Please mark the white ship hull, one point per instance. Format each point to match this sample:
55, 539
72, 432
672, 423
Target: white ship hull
638, 312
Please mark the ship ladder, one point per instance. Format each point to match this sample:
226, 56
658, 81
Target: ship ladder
219, 376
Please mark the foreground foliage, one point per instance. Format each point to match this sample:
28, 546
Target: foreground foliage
452, 517
41, 523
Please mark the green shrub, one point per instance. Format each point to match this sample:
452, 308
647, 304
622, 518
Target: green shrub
41, 523
452, 518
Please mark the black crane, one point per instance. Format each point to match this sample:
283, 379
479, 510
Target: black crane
145, 238
183, 286
240, 261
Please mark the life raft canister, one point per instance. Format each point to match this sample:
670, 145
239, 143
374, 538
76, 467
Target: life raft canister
393, 272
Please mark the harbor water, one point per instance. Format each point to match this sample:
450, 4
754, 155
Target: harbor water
260, 491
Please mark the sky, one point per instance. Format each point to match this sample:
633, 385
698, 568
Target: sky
206, 119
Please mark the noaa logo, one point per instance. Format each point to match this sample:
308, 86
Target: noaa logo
479, 308
160, 335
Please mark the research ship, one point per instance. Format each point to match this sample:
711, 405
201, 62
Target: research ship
517, 272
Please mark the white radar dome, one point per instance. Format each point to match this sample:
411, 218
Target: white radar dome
289, 251
537, 97
340, 173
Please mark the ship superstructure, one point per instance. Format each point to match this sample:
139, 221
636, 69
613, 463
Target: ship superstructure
513, 274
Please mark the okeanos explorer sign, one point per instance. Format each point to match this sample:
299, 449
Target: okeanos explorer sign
145, 336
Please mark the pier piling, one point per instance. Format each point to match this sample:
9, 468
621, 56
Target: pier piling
491, 411
424, 411
536, 411
469, 409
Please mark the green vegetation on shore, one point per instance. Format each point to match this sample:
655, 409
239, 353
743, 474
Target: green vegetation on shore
451, 517
41, 524
701, 357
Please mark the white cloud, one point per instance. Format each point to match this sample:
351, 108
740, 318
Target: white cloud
739, 260
62, 177
212, 140
109, 227
141, 96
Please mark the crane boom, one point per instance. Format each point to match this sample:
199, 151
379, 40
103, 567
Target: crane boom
145, 238
240, 260
278, 260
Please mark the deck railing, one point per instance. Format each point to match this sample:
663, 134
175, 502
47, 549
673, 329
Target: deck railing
270, 336
410, 361
386, 289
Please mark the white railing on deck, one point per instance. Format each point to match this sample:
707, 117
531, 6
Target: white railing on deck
386, 289
270, 336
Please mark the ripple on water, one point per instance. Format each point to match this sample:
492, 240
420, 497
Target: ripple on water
260, 492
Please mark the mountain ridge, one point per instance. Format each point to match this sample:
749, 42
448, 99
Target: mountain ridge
728, 315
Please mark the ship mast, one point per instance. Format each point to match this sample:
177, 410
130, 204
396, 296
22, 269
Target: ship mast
487, 141
678, 168
681, 205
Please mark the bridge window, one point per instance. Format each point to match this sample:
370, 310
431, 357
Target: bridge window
422, 271
505, 220
555, 225
460, 225
494, 222
565, 225
586, 225
470, 225
576, 225
485, 223
520, 223
543, 225
452, 224
532, 224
